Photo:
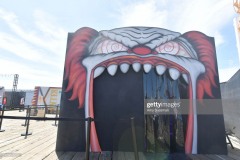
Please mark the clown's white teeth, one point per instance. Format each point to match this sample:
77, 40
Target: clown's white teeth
147, 67
185, 77
174, 73
112, 69
192, 66
136, 67
160, 69
124, 67
98, 71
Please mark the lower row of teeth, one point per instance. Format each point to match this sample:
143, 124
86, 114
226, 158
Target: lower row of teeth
124, 67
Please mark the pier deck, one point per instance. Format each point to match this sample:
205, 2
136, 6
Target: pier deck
41, 144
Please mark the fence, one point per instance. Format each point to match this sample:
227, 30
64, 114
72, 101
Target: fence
88, 121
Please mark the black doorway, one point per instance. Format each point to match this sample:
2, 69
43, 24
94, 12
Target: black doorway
116, 99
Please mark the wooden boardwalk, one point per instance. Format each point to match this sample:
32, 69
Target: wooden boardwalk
41, 145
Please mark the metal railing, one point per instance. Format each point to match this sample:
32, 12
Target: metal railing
88, 121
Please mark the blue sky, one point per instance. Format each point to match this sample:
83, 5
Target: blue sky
33, 34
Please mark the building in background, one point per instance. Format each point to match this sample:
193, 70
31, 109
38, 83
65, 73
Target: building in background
231, 103
22, 98
18, 96
46, 98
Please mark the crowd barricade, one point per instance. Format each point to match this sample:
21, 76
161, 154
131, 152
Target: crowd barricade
31, 114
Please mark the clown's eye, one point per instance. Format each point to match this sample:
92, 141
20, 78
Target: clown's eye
172, 48
109, 46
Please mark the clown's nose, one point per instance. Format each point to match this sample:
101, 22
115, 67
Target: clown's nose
142, 50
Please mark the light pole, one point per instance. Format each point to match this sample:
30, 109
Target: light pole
236, 21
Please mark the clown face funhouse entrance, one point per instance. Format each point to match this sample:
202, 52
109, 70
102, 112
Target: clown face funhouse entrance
166, 81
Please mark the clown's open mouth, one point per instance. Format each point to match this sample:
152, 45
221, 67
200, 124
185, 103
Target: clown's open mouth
140, 50
124, 99
171, 68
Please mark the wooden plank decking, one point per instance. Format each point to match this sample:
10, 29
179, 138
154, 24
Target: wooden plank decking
41, 145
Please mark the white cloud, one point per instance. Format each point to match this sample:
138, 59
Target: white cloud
142, 13
226, 73
218, 38
38, 49
29, 77
205, 16
56, 35
19, 47
46, 34
28, 52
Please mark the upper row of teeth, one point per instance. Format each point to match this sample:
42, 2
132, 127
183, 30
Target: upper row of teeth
124, 67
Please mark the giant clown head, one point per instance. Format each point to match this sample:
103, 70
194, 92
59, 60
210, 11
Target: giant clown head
190, 56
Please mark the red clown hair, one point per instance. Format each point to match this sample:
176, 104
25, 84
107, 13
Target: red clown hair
206, 54
75, 72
